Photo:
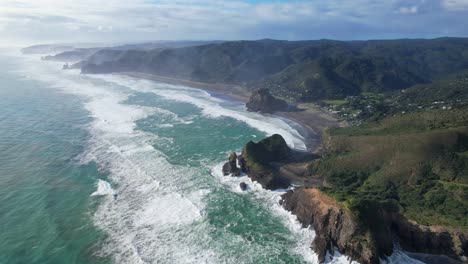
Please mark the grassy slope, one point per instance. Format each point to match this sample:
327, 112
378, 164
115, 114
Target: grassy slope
416, 162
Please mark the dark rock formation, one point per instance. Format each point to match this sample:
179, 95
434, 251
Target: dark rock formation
243, 186
427, 239
242, 165
230, 167
257, 160
334, 225
262, 101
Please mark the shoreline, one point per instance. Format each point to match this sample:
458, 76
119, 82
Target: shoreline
231, 90
312, 120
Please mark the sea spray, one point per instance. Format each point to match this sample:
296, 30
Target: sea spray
159, 158
103, 188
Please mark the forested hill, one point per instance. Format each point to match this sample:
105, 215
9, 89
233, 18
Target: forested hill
300, 70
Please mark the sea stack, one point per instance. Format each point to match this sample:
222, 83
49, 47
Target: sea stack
257, 158
230, 167
243, 186
262, 101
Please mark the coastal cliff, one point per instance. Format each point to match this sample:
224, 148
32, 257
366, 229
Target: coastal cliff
338, 227
436, 240
365, 228
334, 225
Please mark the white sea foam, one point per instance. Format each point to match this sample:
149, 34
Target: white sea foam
158, 216
304, 236
161, 211
103, 188
146, 223
215, 107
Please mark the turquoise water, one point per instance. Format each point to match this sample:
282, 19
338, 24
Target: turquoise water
45, 205
69, 142
110, 169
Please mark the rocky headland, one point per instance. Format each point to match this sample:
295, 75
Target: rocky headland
271, 163
367, 237
262, 101
366, 233
334, 225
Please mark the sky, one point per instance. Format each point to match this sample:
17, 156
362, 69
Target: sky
120, 21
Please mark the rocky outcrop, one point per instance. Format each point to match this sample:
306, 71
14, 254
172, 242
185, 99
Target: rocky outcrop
257, 161
435, 240
262, 101
273, 164
230, 167
369, 237
243, 186
242, 163
334, 225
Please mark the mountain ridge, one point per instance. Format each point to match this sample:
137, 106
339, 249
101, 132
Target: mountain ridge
301, 70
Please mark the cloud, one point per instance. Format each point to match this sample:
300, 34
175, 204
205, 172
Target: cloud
455, 5
138, 20
408, 9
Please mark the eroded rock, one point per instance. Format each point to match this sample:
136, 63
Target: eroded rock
262, 101
257, 159
243, 186
230, 167
334, 225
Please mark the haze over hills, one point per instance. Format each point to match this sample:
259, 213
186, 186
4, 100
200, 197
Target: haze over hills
299, 70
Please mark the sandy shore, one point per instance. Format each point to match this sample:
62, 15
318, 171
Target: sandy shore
312, 120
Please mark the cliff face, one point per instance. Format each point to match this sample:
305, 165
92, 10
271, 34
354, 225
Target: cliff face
230, 167
262, 101
428, 239
334, 225
257, 158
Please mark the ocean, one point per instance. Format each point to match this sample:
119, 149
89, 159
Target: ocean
112, 169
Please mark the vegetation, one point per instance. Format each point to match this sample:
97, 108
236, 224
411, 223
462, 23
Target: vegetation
300, 70
416, 163
443, 95
408, 150
259, 156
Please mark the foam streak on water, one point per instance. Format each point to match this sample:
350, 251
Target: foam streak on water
142, 220
214, 107
160, 213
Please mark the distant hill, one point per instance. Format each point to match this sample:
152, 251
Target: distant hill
299, 70
74, 54
46, 49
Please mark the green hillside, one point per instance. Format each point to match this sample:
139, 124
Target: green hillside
445, 94
300, 70
416, 162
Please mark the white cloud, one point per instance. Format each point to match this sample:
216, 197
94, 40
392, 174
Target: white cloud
408, 9
134, 20
455, 5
